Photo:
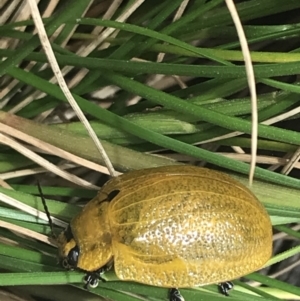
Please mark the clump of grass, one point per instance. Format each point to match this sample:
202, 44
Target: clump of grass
161, 82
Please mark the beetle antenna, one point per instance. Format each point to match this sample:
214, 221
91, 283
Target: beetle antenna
45, 208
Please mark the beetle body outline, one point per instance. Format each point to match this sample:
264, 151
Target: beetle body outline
172, 226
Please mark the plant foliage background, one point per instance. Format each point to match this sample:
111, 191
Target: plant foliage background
161, 82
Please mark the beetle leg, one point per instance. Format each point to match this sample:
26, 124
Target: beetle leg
174, 295
91, 279
225, 287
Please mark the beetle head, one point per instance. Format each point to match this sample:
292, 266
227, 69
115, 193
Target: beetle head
85, 255
68, 249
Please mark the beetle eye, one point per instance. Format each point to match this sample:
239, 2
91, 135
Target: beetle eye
72, 258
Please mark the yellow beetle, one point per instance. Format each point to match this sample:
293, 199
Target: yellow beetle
175, 227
